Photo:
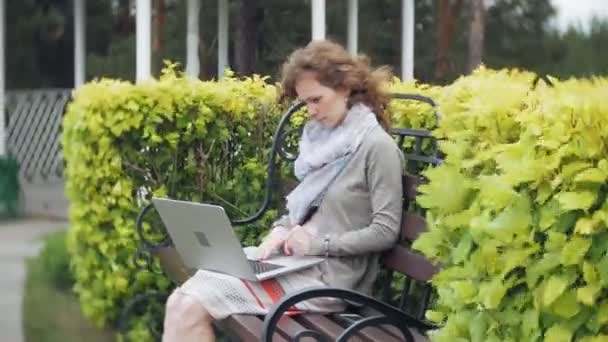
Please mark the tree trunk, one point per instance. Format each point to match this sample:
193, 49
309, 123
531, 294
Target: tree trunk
246, 36
125, 23
476, 34
448, 12
158, 23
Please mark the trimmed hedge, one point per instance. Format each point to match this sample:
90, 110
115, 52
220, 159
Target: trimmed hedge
522, 236
123, 143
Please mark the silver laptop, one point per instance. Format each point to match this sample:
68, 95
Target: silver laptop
205, 239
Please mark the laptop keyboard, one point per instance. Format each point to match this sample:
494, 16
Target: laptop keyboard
261, 267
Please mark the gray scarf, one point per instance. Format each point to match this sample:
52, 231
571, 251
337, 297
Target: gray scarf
324, 152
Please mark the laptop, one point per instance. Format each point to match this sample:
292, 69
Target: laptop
205, 239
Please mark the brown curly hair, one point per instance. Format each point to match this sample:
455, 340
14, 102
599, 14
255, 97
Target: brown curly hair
338, 69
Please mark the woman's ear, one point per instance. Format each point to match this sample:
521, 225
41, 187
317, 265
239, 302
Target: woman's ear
344, 92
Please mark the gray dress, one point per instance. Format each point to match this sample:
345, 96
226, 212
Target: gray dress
360, 217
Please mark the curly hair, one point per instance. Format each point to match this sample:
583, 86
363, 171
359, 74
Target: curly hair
338, 69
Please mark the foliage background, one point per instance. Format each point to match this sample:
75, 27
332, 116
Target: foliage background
518, 34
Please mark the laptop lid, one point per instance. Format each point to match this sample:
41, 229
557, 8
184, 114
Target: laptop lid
205, 239
203, 236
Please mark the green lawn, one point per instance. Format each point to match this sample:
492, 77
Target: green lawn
51, 314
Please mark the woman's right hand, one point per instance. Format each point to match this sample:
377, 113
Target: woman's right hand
273, 243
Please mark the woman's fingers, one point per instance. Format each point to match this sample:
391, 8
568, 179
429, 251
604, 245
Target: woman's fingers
286, 248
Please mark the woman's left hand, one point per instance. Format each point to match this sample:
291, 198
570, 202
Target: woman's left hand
298, 241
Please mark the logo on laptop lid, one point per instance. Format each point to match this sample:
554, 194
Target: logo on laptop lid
202, 239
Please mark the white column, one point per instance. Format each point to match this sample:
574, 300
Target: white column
222, 32
143, 35
353, 25
407, 39
3, 134
192, 38
318, 19
79, 42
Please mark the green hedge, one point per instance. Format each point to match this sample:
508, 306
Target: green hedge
522, 236
123, 143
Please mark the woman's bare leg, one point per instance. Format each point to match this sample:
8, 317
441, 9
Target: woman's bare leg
187, 320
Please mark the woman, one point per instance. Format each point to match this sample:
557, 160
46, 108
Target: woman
347, 206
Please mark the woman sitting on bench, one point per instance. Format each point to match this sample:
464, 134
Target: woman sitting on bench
346, 208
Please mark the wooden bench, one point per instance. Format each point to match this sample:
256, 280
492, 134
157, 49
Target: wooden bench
393, 316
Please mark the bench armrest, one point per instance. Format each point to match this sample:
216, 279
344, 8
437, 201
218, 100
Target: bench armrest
388, 314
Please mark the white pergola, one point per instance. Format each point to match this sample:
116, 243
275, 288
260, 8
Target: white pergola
144, 48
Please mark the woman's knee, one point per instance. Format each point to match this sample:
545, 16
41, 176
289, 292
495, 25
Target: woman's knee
184, 310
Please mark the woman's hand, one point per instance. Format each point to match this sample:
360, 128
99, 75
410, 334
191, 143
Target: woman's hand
273, 243
298, 242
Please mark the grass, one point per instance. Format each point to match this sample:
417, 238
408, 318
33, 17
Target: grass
52, 314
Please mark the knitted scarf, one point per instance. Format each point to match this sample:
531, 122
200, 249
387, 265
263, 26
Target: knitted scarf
324, 152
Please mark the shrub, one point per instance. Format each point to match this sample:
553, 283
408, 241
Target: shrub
177, 137
522, 235
56, 261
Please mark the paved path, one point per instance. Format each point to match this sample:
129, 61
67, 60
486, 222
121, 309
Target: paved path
18, 240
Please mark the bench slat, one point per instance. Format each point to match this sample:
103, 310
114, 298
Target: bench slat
247, 327
414, 265
289, 327
410, 187
366, 312
411, 226
324, 325
372, 334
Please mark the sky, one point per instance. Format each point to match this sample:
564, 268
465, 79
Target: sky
579, 11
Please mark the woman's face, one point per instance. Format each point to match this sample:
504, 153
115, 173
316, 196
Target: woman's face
325, 105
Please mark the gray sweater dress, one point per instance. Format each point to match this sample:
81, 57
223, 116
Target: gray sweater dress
360, 217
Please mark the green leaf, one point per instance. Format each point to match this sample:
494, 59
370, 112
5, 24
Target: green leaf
541, 268
553, 288
519, 163
588, 294
558, 333
549, 214
461, 252
495, 193
602, 267
574, 250
530, 329
446, 180
478, 327
576, 200
491, 293
590, 273
566, 305
465, 290
514, 220
586, 226
602, 313
593, 175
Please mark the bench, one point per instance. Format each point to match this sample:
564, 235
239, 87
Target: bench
395, 315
